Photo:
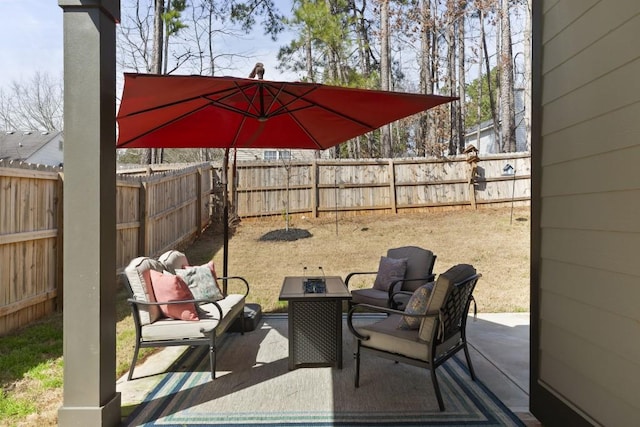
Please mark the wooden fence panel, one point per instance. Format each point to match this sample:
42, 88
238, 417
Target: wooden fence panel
31, 228
172, 210
358, 186
128, 220
29, 214
261, 188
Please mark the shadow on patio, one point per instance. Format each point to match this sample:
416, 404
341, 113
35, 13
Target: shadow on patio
255, 383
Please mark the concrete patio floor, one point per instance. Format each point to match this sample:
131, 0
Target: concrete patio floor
499, 351
500, 355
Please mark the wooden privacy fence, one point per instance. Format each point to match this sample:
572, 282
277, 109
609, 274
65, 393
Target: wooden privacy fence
30, 244
155, 209
353, 187
160, 208
164, 207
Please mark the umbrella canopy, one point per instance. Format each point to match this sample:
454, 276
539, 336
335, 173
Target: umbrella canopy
170, 111
167, 111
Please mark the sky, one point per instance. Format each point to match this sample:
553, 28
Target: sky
31, 40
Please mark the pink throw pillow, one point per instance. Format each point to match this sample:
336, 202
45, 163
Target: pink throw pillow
168, 287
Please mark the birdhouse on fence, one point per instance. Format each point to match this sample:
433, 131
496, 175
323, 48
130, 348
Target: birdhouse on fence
472, 159
508, 170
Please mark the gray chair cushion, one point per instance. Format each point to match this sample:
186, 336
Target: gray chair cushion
370, 296
137, 273
419, 264
173, 260
384, 335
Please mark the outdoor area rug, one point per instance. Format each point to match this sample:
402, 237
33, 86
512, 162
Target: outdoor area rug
254, 387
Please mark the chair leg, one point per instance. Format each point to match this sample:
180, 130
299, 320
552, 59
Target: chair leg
466, 355
212, 356
356, 355
133, 361
437, 389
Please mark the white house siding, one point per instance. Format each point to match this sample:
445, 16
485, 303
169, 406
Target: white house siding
488, 143
253, 154
50, 153
589, 295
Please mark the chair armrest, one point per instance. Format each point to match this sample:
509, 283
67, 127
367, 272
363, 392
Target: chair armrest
356, 273
239, 278
136, 303
392, 298
394, 284
194, 301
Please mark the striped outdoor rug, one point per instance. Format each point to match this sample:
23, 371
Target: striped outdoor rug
255, 388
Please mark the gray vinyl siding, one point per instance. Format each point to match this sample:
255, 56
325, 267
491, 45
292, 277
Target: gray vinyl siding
589, 273
49, 154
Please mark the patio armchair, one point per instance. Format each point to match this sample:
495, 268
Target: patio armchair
174, 316
399, 274
429, 331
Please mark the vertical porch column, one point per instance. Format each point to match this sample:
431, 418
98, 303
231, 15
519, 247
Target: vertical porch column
90, 397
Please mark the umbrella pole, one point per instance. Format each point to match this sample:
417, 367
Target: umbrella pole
225, 218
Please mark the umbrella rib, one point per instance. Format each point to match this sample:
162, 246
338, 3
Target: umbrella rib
184, 100
167, 123
285, 110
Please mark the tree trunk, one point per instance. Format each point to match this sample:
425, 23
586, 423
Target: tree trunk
309, 56
385, 71
462, 82
365, 67
451, 75
527, 75
506, 81
166, 41
156, 60
492, 102
426, 81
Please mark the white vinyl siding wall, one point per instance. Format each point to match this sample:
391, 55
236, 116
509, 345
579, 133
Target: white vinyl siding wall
590, 207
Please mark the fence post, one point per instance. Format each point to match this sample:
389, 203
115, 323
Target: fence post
198, 201
142, 218
315, 197
392, 187
60, 243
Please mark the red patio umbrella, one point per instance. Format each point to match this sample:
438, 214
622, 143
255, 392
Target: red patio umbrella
171, 111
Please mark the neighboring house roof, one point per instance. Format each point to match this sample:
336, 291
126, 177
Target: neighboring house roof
23, 145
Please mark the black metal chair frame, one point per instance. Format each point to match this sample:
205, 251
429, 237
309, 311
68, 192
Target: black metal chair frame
209, 340
451, 319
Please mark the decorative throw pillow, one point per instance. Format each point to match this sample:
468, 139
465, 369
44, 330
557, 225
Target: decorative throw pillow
417, 305
168, 287
201, 282
389, 270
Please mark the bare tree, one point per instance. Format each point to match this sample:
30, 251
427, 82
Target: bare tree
507, 111
527, 73
385, 71
451, 80
462, 82
35, 104
483, 6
